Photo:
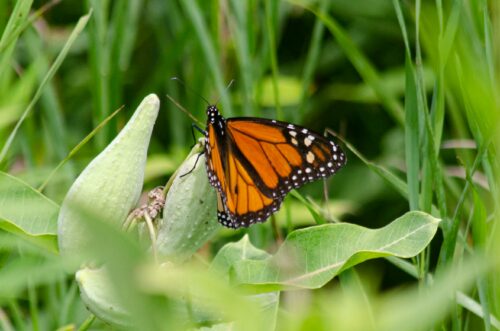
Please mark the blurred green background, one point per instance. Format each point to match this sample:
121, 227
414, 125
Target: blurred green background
410, 85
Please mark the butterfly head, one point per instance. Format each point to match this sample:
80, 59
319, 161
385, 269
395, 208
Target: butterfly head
213, 114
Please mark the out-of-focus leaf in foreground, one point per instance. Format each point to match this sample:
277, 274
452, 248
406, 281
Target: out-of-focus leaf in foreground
242, 250
206, 291
413, 308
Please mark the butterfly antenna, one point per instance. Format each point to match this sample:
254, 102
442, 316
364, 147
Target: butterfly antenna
227, 88
190, 89
184, 110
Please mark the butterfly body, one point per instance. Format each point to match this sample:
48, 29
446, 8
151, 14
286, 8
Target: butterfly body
254, 162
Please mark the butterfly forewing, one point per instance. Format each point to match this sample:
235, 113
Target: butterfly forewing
254, 163
293, 155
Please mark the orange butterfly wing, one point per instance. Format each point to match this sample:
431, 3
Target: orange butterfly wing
254, 163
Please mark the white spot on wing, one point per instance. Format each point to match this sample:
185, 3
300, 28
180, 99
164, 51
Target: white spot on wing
307, 141
310, 157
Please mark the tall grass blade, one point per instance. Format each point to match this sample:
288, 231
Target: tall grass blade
82, 22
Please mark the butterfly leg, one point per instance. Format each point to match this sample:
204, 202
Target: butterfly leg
195, 163
193, 127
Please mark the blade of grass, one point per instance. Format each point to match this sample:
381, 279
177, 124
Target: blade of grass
17, 18
124, 27
49, 100
474, 307
19, 28
78, 147
363, 66
271, 10
87, 323
99, 67
239, 26
65, 307
480, 237
450, 233
194, 14
412, 150
415, 111
312, 57
82, 22
317, 217
399, 185
33, 307
9, 38
16, 314
404, 265
5, 322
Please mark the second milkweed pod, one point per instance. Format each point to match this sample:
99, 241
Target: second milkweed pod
189, 217
110, 185
96, 291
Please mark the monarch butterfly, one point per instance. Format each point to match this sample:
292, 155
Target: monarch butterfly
254, 162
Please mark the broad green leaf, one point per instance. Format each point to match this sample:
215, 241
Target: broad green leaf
27, 212
234, 252
311, 257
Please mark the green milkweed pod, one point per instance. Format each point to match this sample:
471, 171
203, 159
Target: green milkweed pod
111, 184
96, 291
189, 216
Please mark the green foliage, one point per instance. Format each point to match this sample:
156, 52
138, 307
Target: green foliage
412, 88
311, 257
25, 211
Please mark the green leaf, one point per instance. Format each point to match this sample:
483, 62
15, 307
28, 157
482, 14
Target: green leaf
27, 212
311, 257
234, 252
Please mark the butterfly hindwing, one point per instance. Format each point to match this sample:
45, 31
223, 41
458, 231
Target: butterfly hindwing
253, 163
